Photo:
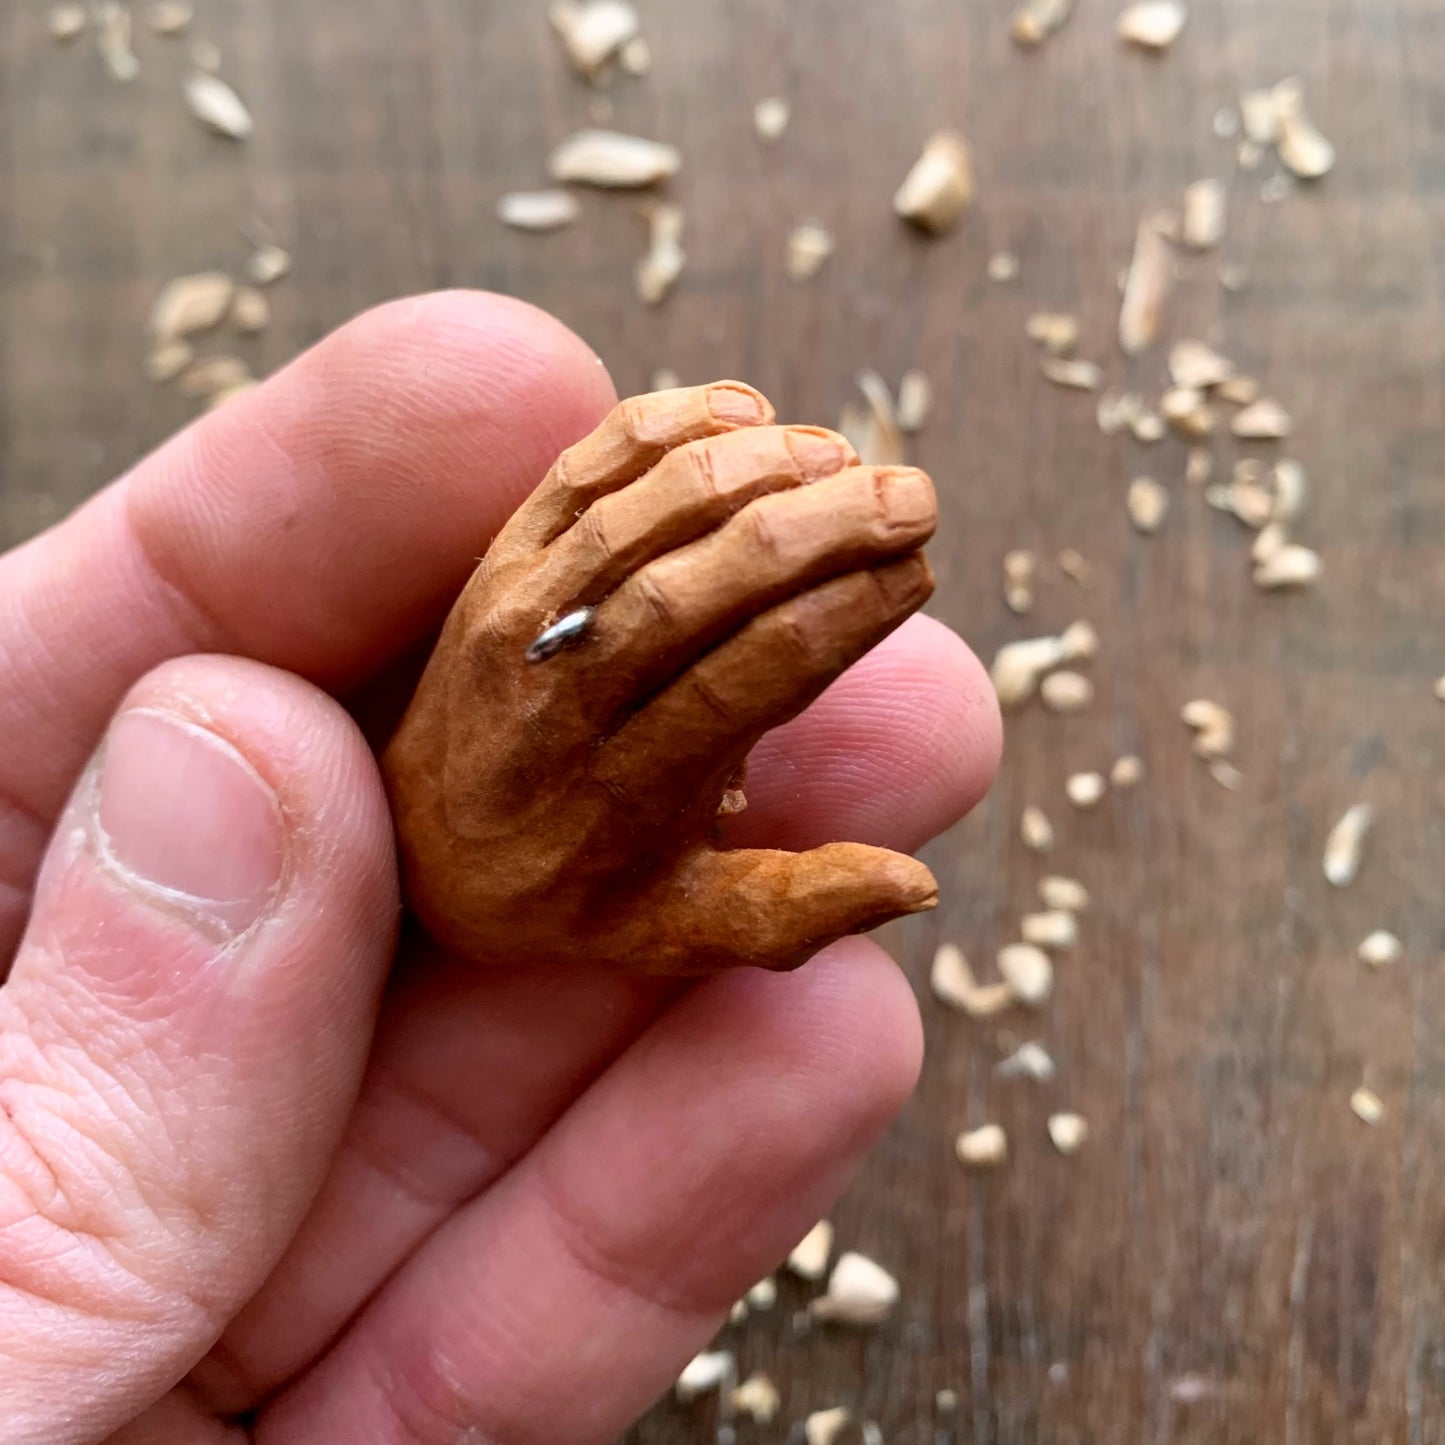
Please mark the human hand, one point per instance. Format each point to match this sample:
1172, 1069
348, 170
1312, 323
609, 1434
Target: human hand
265, 1178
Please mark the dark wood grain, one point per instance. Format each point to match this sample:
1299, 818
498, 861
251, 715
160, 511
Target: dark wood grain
1233, 1257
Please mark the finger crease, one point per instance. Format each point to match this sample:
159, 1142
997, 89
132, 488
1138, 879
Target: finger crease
199, 628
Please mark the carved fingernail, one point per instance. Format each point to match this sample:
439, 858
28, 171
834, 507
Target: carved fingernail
817, 454
733, 404
908, 496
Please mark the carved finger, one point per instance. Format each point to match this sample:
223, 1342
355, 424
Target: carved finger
635, 435
686, 741
676, 608
689, 492
775, 910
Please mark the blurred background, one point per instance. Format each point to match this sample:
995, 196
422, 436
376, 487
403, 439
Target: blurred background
1235, 1253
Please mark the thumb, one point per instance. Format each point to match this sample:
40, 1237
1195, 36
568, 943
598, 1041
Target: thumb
182, 1034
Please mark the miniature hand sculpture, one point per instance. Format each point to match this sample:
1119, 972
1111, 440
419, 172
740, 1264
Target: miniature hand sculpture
684, 579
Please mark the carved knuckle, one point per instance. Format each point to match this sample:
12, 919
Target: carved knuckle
698, 458
656, 600
713, 700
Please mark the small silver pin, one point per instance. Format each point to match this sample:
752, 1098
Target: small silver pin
564, 632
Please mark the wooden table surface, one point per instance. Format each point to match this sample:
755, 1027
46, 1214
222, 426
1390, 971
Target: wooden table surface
1233, 1256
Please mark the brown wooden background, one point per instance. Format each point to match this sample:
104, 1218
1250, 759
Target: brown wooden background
1233, 1257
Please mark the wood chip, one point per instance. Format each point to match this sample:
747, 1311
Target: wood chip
1126, 772
1079, 375
1003, 266
1380, 949
1026, 968
1066, 691
635, 57
612, 160
1213, 726
113, 40
268, 264
664, 378
1035, 830
1440, 688
771, 116
65, 22
1068, 1131
1063, 894
190, 304
659, 269
1367, 1106
860, 1292
1345, 846
874, 432
1148, 427
1055, 331
1187, 411
1270, 542
205, 56
1018, 667
1148, 505
809, 245
1259, 115
1118, 411
1075, 566
593, 31
937, 190
809, 1259
1029, 1061
167, 360
1085, 789
1152, 24
1288, 566
217, 106
1249, 501
1056, 928
215, 377
170, 17
983, 1148
1226, 775
1198, 466
757, 1398
250, 310
1193, 364
1204, 215
1146, 287
1301, 146
915, 400
705, 1372
1019, 567
823, 1427
1238, 390
954, 984
1035, 20
538, 210
1265, 420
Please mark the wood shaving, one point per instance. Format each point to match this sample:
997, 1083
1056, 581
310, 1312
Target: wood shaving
1259, 114
946, 1401
954, 984
1148, 505
1264, 420
1075, 566
1079, 375
1080, 641
1085, 789
1291, 488
1345, 847
635, 57
1225, 124
809, 245
538, 210
1146, 287
1440, 688
983, 1148
873, 430
703, 1373
1234, 278
1019, 667
1148, 427
1271, 541
1118, 411
1068, 1131
771, 116
664, 379
763, 1295
1187, 411
1055, 331
1198, 466
1226, 775
915, 401
1061, 894
217, 106
659, 269
1035, 20
1029, 1061
593, 31
1301, 146
65, 22
809, 1259
190, 304
1026, 968
250, 310
1248, 500
1290, 566
1367, 1106
757, 1398
1057, 928
1238, 390
823, 1427
1204, 215
113, 40
167, 360
170, 17
937, 190
268, 265
206, 56
1003, 266
215, 376
1193, 364
1035, 830
1019, 567
1213, 726
612, 160
1380, 949
1066, 691
860, 1292
1152, 24
1126, 772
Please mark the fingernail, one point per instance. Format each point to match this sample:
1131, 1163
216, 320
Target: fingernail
734, 404
185, 818
908, 496
817, 454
